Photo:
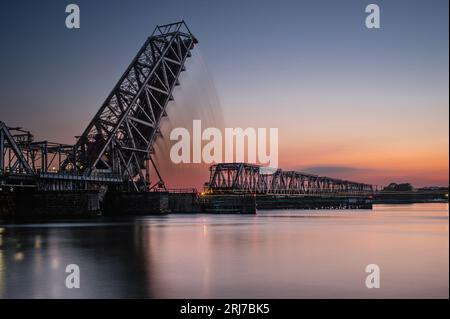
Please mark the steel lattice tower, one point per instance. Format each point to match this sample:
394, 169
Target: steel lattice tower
119, 139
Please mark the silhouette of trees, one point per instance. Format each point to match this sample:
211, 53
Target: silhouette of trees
402, 187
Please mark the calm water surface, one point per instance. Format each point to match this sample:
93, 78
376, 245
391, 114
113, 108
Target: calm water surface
275, 254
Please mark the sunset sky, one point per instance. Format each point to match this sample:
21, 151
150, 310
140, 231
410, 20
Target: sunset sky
349, 102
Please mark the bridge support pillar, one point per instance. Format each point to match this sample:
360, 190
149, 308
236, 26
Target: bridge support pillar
32, 204
228, 204
134, 203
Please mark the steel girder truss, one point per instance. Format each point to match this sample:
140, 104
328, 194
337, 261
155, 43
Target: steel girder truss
120, 137
248, 178
23, 161
12, 160
28, 163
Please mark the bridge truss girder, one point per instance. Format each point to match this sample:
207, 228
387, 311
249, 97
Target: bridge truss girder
249, 178
120, 137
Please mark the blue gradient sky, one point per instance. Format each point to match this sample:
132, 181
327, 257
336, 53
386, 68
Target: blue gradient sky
371, 102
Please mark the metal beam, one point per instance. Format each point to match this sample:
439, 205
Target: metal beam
130, 116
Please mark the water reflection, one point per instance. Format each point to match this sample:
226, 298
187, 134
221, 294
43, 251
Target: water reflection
276, 254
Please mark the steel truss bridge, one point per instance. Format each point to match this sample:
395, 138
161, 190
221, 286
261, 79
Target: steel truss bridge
234, 178
115, 150
117, 146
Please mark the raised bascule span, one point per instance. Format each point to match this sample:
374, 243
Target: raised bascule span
120, 137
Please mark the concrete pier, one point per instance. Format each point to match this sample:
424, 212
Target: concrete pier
184, 202
28, 204
132, 204
228, 204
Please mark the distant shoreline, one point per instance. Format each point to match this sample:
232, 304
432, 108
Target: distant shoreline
406, 197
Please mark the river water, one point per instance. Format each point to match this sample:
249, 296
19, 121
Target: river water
274, 254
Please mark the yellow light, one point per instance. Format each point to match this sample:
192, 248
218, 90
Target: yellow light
18, 256
37, 242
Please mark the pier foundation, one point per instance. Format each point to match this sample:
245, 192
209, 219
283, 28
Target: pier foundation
132, 204
228, 204
22, 204
184, 202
